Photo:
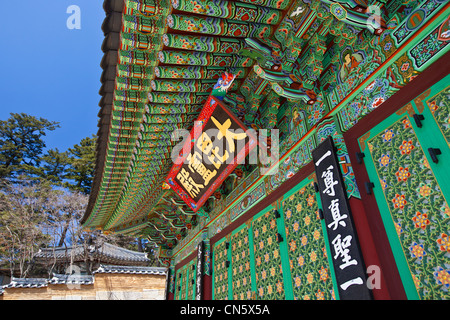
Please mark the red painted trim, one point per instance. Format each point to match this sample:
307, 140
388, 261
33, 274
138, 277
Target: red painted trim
368, 247
208, 109
207, 287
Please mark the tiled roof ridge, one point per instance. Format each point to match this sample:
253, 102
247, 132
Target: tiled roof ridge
26, 283
81, 279
131, 270
71, 279
106, 249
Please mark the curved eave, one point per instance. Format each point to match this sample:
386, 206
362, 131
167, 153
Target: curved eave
148, 92
111, 24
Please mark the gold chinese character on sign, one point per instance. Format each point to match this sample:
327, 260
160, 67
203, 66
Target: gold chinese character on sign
188, 183
205, 144
195, 165
225, 132
216, 159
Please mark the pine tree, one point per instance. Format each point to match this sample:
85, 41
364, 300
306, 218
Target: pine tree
80, 171
21, 144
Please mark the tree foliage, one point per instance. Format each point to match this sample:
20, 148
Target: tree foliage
54, 166
21, 144
22, 153
81, 159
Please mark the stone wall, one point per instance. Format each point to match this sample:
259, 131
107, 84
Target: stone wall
106, 286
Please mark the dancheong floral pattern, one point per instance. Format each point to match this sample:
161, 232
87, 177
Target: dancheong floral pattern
440, 108
179, 280
191, 279
220, 272
417, 206
184, 275
180, 287
268, 269
240, 262
311, 278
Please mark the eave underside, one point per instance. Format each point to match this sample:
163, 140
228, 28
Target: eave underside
160, 62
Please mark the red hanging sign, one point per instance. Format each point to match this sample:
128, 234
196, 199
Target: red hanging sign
217, 143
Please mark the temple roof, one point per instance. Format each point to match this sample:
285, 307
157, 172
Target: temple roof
131, 270
71, 279
105, 253
81, 279
161, 60
27, 283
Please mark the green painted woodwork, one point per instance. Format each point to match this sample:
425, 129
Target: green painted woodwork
192, 276
171, 279
184, 283
270, 3
220, 270
309, 267
142, 24
174, 118
195, 72
130, 41
168, 85
147, 8
218, 26
129, 106
179, 281
240, 264
125, 83
138, 58
252, 261
439, 107
134, 71
174, 98
412, 195
167, 127
203, 59
203, 43
231, 10
153, 108
130, 95
261, 267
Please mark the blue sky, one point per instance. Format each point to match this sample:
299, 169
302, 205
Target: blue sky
50, 71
